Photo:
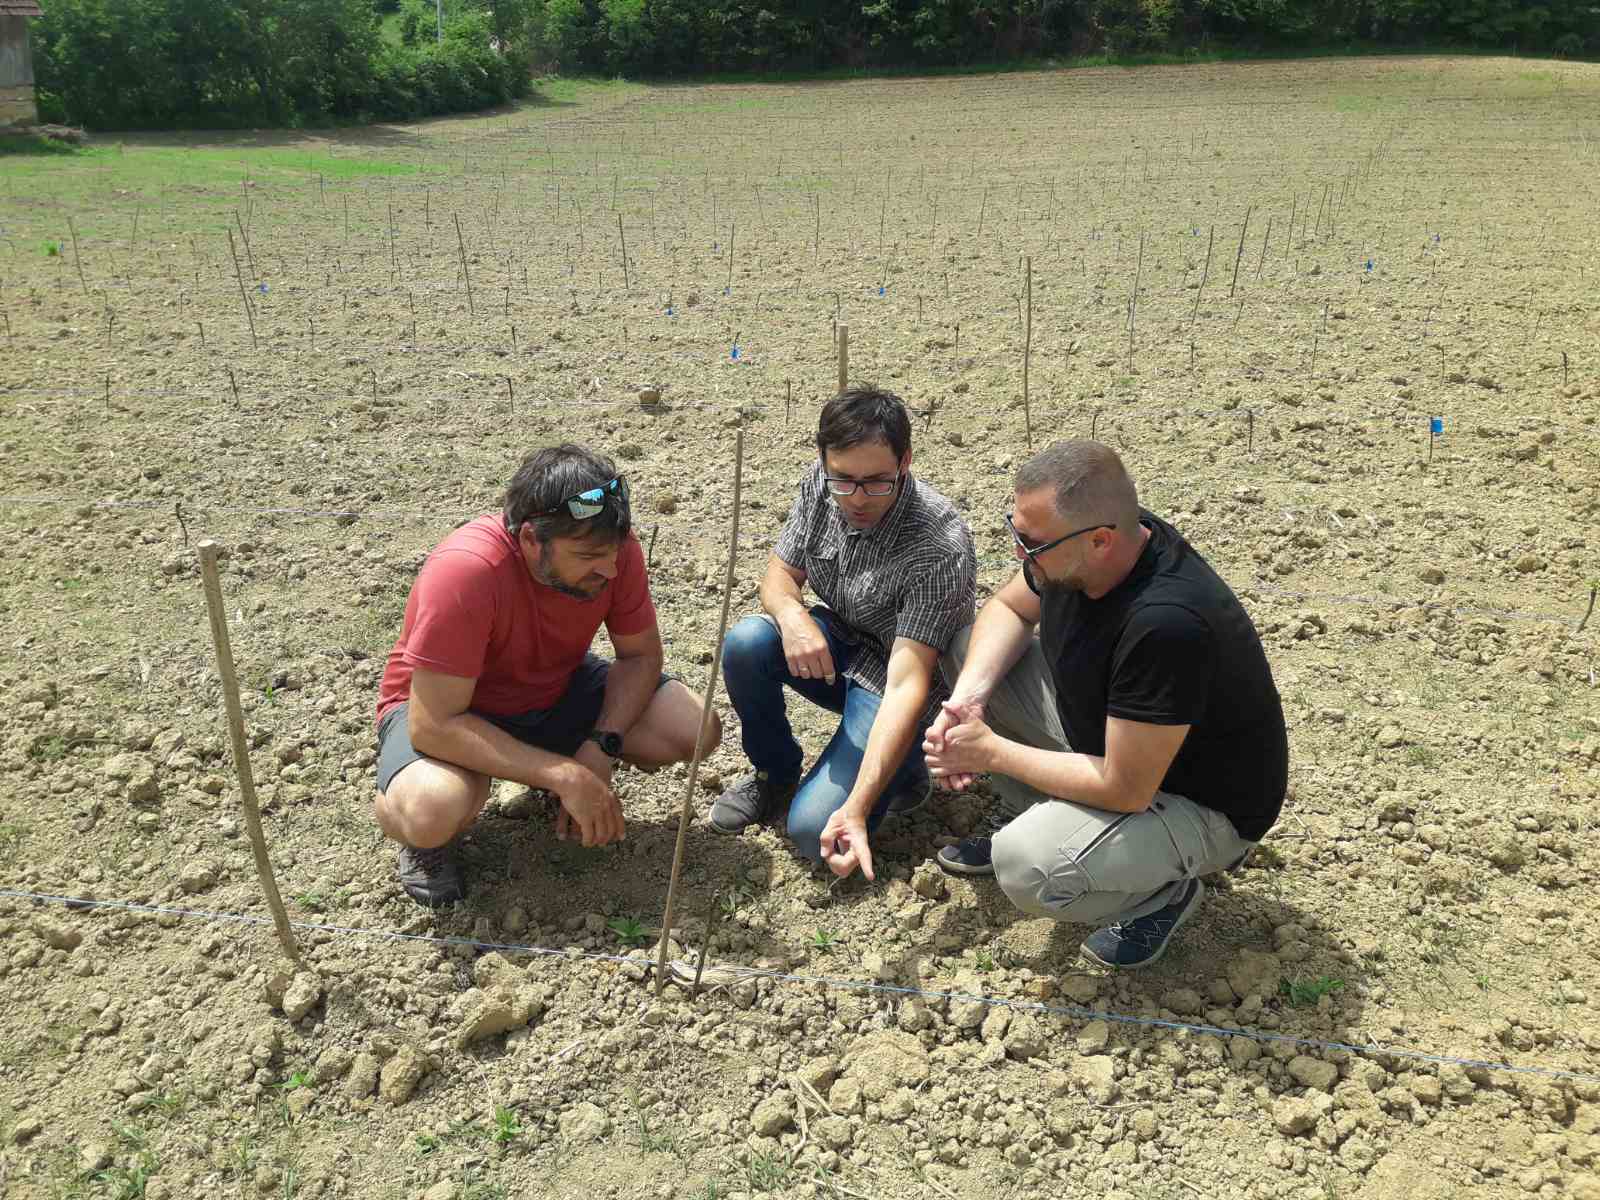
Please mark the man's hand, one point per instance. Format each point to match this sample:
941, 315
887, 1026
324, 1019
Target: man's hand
953, 713
963, 750
587, 800
805, 648
845, 846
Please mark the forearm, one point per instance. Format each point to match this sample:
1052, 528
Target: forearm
896, 726
781, 597
630, 684
1081, 778
999, 639
467, 740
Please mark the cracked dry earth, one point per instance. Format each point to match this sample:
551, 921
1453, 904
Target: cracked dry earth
1418, 244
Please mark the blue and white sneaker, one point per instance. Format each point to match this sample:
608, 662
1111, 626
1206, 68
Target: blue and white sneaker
1129, 945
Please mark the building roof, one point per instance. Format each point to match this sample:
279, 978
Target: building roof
20, 8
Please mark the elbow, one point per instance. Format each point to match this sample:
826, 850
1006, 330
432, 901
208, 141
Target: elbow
426, 734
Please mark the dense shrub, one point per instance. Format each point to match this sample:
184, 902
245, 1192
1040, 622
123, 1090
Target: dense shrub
121, 64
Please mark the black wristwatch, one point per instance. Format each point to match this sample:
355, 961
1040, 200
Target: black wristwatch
609, 743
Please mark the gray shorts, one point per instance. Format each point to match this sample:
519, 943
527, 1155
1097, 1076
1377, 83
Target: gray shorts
560, 730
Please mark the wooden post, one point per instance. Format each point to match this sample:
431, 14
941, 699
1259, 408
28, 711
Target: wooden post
705, 719
1027, 351
843, 336
241, 752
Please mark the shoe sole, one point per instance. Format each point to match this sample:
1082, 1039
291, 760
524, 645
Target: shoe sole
962, 868
433, 902
1199, 895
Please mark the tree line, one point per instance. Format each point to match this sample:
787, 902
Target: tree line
217, 63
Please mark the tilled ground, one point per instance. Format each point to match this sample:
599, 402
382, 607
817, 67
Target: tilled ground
1417, 245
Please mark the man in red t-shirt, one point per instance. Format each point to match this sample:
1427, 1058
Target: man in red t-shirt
492, 677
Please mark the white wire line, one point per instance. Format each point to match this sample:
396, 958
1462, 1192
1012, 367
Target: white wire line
832, 983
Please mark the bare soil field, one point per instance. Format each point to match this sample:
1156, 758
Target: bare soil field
1262, 283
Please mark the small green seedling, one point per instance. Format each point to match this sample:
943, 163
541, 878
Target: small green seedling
507, 1128
311, 902
628, 930
427, 1143
52, 249
1304, 993
983, 961
825, 942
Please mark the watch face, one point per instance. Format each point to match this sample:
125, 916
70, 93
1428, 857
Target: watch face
611, 743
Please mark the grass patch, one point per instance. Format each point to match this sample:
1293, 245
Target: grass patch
37, 144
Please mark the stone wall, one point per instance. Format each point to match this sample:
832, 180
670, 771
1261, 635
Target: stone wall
16, 106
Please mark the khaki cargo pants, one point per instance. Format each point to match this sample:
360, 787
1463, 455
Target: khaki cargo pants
1054, 858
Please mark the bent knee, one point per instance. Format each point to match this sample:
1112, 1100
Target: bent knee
1037, 878
751, 637
430, 809
804, 828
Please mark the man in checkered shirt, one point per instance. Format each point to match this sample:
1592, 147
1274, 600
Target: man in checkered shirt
894, 566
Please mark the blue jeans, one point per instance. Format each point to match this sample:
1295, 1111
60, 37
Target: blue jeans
756, 673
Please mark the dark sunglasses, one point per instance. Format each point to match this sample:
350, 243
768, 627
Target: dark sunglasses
590, 502
1033, 552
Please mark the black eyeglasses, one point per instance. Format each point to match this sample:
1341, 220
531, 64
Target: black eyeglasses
1033, 552
872, 487
590, 502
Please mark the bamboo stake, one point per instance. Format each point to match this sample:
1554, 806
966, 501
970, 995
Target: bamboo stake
244, 296
77, 254
1204, 275
1027, 353
241, 753
1133, 301
705, 719
843, 336
623, 237
1242, 231
461, 245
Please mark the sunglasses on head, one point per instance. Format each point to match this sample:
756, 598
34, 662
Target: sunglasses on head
590, 502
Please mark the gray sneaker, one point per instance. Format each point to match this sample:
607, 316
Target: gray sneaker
432, 877
754, 798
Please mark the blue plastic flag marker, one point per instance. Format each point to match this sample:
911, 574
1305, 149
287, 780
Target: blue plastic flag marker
727, 291
736, 353
1435, 428
670, 313
880, 289
1369, 266
262, 288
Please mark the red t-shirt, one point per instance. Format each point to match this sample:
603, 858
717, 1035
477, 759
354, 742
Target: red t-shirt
475, 612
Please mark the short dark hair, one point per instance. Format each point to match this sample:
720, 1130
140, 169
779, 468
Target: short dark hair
863, 413
546, 478
1087, 480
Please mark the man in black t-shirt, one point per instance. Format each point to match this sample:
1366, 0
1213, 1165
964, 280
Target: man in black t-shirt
1137, 742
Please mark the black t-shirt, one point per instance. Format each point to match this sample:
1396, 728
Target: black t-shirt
1172, 645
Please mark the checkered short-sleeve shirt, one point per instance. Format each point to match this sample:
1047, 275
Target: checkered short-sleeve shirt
913, 575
